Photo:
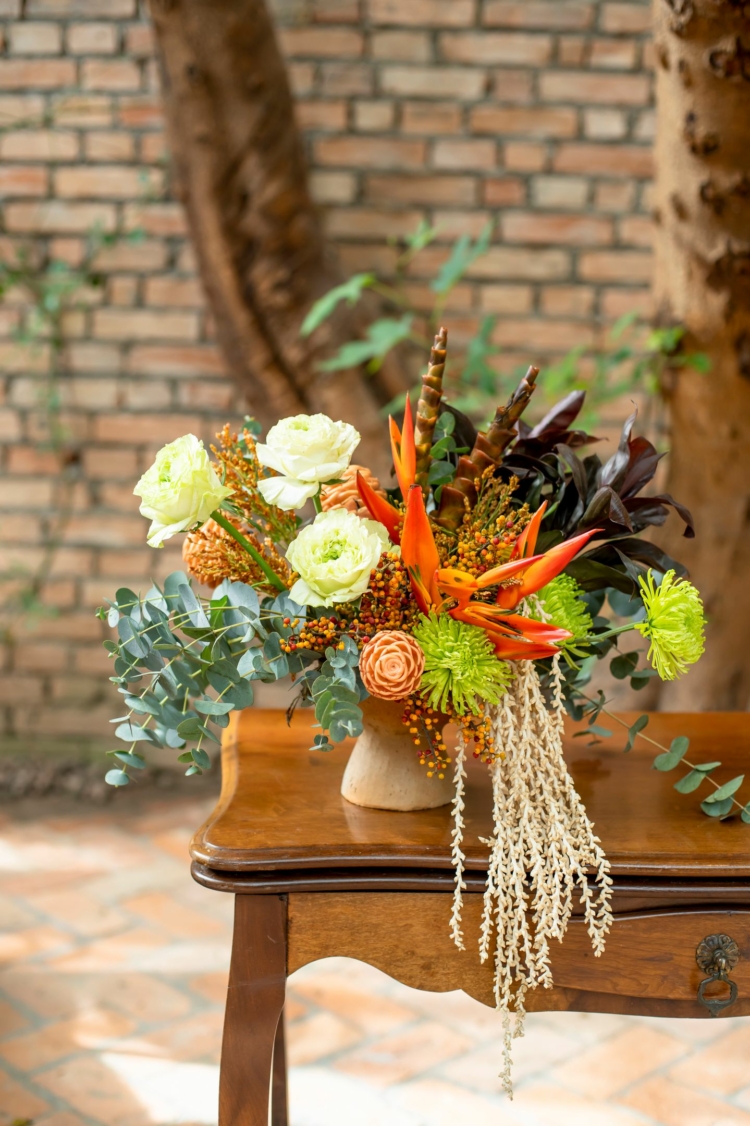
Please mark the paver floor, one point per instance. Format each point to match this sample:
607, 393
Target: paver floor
113, 972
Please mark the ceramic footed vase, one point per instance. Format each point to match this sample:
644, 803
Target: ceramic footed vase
384, 771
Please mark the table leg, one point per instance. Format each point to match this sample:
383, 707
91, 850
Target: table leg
279, 1093
255, 1000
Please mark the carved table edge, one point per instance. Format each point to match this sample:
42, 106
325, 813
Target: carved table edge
665, 892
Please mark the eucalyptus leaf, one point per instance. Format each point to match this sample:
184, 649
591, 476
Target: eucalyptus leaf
690, 782
717, 808
726, 790
634, 730
116, 778
678, 748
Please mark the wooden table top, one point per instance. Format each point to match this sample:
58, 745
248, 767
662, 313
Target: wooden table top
280, 808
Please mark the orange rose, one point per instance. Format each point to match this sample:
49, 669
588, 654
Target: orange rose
391, 665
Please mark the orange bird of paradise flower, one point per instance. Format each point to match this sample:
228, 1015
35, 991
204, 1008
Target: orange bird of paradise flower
448, 589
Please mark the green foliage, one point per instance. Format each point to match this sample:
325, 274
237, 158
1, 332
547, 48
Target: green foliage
382, 336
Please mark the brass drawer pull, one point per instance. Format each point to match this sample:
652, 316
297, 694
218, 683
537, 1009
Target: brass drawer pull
716, 956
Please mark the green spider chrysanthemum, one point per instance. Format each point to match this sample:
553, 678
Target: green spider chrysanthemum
563, 606
460, 667
674, 624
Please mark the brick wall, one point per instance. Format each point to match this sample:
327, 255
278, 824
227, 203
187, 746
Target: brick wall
535, 114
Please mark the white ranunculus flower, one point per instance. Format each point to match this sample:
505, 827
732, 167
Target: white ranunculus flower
306, 449
180, 490
334, 557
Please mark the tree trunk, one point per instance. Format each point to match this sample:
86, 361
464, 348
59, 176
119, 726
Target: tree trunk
703, 281
239, 169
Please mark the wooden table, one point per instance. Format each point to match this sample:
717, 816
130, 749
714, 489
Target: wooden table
314, 876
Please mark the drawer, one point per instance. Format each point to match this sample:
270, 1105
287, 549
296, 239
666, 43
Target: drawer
649, 965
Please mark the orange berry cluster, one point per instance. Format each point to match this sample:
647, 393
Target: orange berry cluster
388, 602
317, 634
426, 729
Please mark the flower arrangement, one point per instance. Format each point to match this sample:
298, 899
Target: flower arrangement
473, 591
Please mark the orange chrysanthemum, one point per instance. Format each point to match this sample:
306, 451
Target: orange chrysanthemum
391, 665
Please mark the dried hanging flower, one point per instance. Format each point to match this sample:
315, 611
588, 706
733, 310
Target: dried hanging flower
346, 494
391, 665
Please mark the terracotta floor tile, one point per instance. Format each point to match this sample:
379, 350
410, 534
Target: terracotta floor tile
455, 1010
603, 1070
319, 1096
294, 1009
60, 1118
93, 1089
721, 1067
19, 946
191, 1039
375, 1015
446, 1104
702, 1031
393, 1059
672, 1104
16, 1102
142, 996
11, 1020
128, 950
83, 913
318, 1036
479, 1069
212, 986
14, 916
162, 910
542, 1103
89, 1030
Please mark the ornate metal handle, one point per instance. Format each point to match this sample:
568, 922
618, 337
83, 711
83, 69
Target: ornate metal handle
716, 956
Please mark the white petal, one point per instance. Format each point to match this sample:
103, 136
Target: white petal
286, 492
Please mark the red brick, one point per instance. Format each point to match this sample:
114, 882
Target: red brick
21, 109
148, 395
567, 300
141, 256
11, 8
432, 82
54, 216
490, 48
111, 464
514, 87
604, 89
460, 155
560, 191
605, 124
142, 112
28, 492
321, 114
559, 16
170, 290
425, 190
370, 223
156, 218
401, 46
82, 9
30, 460
538, 227
139, 39
153, 148
144, 324
154, 428
613, 54
609, 160
423, 13
89, 357
93, 39
44, 74
510, 300
645, 128
504, 262
627, 267
333, 187
336, 11
35, 38
370, 152
374, 117
110, 74
503, 191
636, 230
121, 290
615, 303
525, 156
321, 42
108, 146
85, 111
571, 50
430, 119
537, 122
114, 181
542, 335
301, 77
625, 19
337, 79
614, 196
209, 396
23, 180
195, 360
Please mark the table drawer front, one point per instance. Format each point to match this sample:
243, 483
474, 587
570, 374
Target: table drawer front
653, 955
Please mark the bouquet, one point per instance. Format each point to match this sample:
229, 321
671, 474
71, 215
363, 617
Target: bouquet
480, 587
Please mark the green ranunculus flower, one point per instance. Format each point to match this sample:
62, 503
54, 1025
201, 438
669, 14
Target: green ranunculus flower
460, 666
334, 557
180, 490
674, 624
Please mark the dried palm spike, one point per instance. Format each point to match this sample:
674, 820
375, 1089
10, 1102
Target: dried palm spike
428, 406
212, 555
461, 494
346, 494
